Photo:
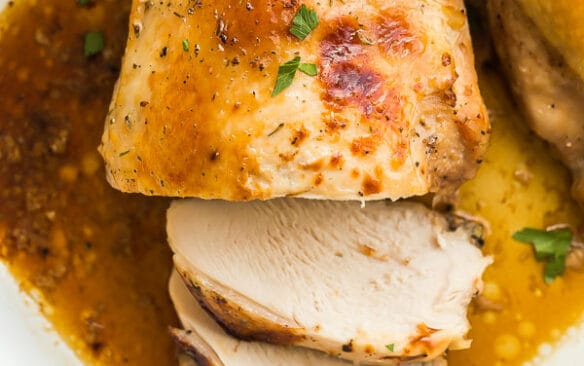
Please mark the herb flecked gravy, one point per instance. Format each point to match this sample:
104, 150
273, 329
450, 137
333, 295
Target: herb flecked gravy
97, 259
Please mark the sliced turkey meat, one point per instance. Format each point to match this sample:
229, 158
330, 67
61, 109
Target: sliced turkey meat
376, 285
394, 109
207, 344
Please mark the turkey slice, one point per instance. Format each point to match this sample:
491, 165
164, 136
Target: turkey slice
207, 344
376, 285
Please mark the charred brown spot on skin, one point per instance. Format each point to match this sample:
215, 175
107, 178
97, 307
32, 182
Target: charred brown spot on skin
314, 166
221, 31
449, 97
238, 322
337, 161
431, 144
348, 347
277, 336
287, 157
183, 344
371, 185
96, 347
365, 145
202, 298
353, 85
355, 173
334, 125
423, 337
369, 349
193, 288
299, 136
220, 300
446, 59
346, 81
399, 155
425, 331
341, 44
394, 35
214, 155
318, 179
366, 250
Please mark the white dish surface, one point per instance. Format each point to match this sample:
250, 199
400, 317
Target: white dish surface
26, 337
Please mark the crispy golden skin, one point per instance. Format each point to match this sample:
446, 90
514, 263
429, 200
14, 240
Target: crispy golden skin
394, 111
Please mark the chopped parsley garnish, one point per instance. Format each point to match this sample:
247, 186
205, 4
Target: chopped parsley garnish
94, 43
185, 45
390, 347
287, 71
304, 22
308, 69
550, 247
278, 128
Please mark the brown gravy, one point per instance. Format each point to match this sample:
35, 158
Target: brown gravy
98, 257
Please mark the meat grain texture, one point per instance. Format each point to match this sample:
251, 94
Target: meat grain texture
205, 343
395, 109
381, 285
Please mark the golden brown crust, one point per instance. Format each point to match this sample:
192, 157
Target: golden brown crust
395, 101
181, 338
237, 321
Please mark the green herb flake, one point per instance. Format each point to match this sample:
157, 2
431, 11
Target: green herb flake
94, 43
304, 22
390, 347
84, 2
308, 69
185, 45
124, 153
278, 128
286, 73
550, 247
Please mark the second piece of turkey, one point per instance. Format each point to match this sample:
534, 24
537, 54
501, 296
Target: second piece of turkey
379, 285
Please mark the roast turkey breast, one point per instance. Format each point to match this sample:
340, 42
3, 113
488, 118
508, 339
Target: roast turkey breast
538, 49
207, 344
394, 109
376, 285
